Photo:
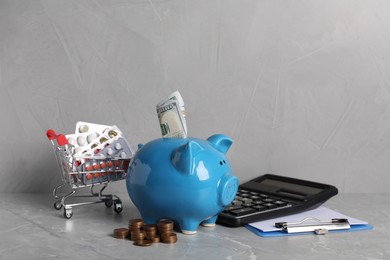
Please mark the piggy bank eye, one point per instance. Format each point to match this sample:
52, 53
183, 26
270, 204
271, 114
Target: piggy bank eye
222, 162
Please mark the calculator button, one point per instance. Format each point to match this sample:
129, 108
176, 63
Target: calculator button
255, 197
270, 205
259, 207
247, 205
236, 202
244, 195
246, 200
257, 202
232, 207
243, 211
280, 203
268, 200
243, 191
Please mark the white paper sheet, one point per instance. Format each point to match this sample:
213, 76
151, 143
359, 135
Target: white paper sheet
321, 213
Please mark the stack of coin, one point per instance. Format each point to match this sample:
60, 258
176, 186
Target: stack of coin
137, 235
147, 234
136, 230
151, 233
136, 224
169, 238
121, 233
165, 227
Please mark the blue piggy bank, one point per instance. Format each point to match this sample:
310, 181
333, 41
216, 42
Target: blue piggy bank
188, 180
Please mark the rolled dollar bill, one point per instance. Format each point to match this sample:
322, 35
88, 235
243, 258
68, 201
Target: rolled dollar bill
176, 96
171, 115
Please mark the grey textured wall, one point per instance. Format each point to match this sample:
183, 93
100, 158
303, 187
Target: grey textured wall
302, 87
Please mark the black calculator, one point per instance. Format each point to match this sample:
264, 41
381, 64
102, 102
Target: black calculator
270, 196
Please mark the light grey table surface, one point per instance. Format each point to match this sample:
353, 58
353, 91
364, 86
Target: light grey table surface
31, 228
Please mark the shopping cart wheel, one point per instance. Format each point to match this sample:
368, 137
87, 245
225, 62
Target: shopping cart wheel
108, 203
118, 207
68, 213
57, 205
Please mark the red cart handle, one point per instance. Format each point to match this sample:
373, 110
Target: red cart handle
51, 134
61, 139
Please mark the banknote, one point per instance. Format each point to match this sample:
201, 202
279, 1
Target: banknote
171, 115
176, 96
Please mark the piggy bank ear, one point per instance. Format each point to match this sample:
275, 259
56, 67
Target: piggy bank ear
183, 156
220, 142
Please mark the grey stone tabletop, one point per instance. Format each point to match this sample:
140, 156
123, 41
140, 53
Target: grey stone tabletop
31, 228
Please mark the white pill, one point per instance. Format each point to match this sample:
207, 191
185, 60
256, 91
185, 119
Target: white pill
123, 155
83, 129
118, 146
81, 140
110, 151
91, 137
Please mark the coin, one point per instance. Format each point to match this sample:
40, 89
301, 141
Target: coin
156, 239
150, 227
138, 235
146, 234
121, 233
169, 238
136, 224
165, 226
143, 243
165, 223
150, 234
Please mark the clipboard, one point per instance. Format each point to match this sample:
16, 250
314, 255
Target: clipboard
317, 221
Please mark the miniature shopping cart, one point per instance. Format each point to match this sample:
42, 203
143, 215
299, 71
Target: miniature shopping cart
85, 172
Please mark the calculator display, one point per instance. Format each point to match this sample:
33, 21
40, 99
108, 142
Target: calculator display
293, 189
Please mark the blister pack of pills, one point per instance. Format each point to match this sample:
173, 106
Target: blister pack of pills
118, 148
85, 127
98, 170
99, 151
85, 134
81, 140
90, 139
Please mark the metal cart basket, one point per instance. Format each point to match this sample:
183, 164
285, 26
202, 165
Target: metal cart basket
85, 172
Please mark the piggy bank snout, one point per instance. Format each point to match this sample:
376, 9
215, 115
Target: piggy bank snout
228, 187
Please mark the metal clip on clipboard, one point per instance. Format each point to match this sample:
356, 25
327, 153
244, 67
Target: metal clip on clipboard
320, 227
